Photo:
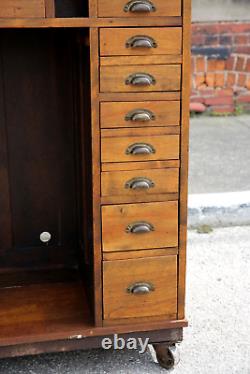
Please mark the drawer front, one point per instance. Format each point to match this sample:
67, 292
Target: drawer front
140, 288
140, 78
140, 182
22, 8
127, 8
140, 114
140, 226
140, 41
140, 148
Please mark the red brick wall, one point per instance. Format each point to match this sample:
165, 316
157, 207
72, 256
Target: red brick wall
220, 67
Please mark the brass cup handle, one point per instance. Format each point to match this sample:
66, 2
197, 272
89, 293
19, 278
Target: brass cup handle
140, 115
139, 6
141, 41
140, 288
140, 149
140, 79
139, 183
139, 228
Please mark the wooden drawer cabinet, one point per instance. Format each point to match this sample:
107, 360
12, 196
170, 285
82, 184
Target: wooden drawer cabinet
94, 110
140, 78
141, 145
140, 226
140, 41
140, 288
142, 183
126, 8
139, 114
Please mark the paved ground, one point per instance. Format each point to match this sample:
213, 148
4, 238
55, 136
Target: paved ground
217, 340
219, 154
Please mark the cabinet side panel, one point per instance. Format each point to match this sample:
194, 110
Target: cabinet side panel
184, 158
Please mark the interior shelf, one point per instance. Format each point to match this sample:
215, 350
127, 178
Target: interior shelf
43, 312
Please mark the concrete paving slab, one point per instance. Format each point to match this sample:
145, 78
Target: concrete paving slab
219, 154
217, 340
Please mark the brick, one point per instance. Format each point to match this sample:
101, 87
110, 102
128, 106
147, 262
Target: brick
198, 39
215, 65
226, 39
248, 83
219, 100
240, 39
193, 64
240, 63
197, 107
211, 40
243, 98
196, 99
199, 79
247, 67
230, 63
200, 64
242, 49
219, 80
210, 79
242, 80
223, 109
205, 91
225, 92
231, 79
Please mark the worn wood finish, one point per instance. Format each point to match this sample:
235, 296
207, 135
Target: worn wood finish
184, 158
140, 165
148, 60
114, 149
163, 216
143, 253
115, 114
120, 183
22, 8
116, 9
168, 41
160, 272
49, 8
113, 78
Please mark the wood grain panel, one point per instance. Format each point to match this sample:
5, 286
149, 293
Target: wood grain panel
140, 165
113, 78
164, 180
125, 255
118, 276
168, 41
147, 60
22, 8
115, 9
116, 218
166, 113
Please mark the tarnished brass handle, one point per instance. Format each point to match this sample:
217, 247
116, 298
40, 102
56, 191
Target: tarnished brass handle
139, 183
139, 228
140, 115
141, 41
140, 6
141, 288
140, 149
140, 79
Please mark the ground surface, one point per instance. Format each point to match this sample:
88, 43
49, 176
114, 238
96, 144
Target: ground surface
219, 154
218, 338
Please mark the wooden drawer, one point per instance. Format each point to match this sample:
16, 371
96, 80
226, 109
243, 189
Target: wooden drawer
140, 41
140, 226
140, 78
138, 145
106, 8
125, 280
140, 114
22, 8
139, 182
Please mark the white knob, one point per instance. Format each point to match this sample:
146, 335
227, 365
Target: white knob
45, 237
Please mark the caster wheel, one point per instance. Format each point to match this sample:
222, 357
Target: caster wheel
168, 356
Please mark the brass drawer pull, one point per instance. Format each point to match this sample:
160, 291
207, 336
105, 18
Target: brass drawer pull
140, 288
140, 149
139, 184
141, 41
140, 115
140, 6
140, 79
139, 228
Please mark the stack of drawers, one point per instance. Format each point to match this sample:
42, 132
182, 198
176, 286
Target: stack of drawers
140, 120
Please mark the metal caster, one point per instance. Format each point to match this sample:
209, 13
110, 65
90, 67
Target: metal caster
165, 354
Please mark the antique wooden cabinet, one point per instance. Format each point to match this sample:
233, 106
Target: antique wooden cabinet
93, 172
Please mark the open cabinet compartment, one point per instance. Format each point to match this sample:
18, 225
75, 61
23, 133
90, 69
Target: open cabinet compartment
45, 175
